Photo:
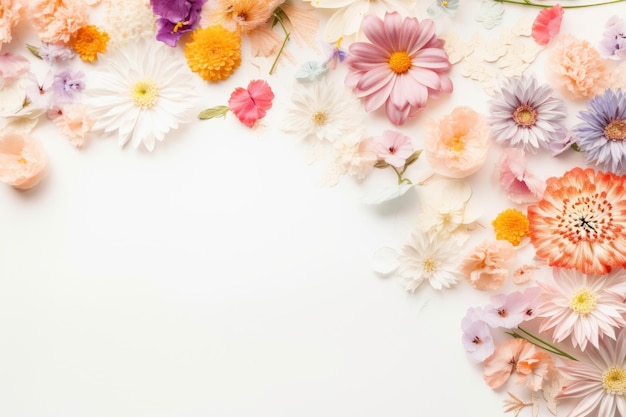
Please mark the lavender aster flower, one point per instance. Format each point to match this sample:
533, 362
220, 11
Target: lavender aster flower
525, 115
602, 133
613, 43
175, 18
66, 84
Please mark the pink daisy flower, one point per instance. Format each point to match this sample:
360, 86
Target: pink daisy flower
251, 104
583, 307
401, 67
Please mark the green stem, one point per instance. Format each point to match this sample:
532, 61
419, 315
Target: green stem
542, 344
399, 175
282, 47
578, 6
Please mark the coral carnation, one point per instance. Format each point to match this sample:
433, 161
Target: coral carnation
214, 52
56, 20
251, 104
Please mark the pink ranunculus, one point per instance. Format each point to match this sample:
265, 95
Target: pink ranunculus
400, 68
23, 162
547, 24
392, 147
251, 104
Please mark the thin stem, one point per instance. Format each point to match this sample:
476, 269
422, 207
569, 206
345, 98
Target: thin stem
399, 175
576, 6
282, 47
544, 345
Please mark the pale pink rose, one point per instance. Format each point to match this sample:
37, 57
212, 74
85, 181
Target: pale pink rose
518, 183
23, 162
485, 268
10, 14
74, 123
56, 20
577, 69
457, 145
251, 104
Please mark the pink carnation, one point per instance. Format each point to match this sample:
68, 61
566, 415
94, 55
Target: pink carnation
547, 24
56, 20
485, 268
457, 145
251, 104
23, 162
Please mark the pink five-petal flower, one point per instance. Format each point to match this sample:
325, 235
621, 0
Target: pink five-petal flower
393, 147
252, 103
401, 66
547, 24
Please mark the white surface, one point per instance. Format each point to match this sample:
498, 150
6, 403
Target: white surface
216, 277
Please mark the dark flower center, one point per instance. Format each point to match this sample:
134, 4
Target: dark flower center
616, 130
525, 115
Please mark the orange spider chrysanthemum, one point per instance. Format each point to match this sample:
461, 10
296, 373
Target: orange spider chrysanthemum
88, 41
581, 221
213, 52
511, 225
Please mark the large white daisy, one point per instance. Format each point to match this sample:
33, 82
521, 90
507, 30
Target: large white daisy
142, 91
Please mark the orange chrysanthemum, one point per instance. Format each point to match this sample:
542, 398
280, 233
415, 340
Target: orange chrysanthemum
88, 41
213, 52
581, 221
511, 225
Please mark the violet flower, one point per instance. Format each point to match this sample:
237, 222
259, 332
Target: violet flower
613, 43
510, 310
66, 84
51, 53
176, 17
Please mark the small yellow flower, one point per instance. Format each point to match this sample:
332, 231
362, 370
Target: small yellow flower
88, 41
213, 52
511, 225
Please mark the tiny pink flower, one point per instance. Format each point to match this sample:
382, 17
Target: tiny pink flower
251, 104
392, 147
12, 66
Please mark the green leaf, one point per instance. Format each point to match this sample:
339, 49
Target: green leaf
414, 157
575, 147
213, 112
381, 164
33, 50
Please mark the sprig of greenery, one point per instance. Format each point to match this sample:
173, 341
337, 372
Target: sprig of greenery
570, 6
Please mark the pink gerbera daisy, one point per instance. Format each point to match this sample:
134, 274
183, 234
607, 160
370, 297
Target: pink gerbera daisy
585, 307
581, 221
598, 381
401, 67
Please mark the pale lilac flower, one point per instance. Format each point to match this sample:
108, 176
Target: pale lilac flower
476, 335
519, 184
510, 310
393, 147
67, 84
400, 68
613, 43
53, 52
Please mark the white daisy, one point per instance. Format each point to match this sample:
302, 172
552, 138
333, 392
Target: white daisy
322, 111
428, 257
142, 91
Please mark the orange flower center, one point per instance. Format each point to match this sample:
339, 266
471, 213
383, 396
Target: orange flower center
616, 130
525, 115
22, 161
400, 62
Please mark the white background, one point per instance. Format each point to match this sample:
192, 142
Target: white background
215, 276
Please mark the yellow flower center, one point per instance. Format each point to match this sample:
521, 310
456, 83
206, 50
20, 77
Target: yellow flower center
22, 161
614, 380
178, 25
320, 118
429, 264
144, 93
400, 62
457, 144
525, 115
511, 225
583, 301
616, 130
444, 3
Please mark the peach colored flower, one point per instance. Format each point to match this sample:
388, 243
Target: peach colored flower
74, 123
23, 162
56, 20
520, 357
577, 69
457, 145
485, 268
10, 14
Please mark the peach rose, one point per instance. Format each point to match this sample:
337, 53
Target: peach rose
56, 20
23, 162
457, 145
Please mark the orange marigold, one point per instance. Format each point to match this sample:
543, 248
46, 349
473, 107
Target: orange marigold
511, 225
213, 52
88, 41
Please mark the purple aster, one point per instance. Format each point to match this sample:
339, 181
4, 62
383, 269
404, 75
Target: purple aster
525, 115
476, 336
602, 133
613, 43
66, 84
176, 17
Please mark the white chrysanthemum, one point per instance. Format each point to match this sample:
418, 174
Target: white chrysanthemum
322, 111
428, 257
142, 92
